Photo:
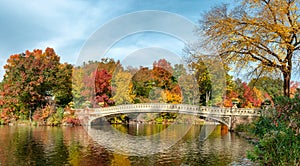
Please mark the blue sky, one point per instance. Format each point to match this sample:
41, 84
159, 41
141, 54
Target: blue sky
67, 25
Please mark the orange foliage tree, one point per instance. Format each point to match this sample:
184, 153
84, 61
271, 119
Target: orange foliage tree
32, 80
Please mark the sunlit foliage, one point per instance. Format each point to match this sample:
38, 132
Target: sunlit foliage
259, 35
33, 80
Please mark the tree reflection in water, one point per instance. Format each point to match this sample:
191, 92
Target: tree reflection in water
20, 145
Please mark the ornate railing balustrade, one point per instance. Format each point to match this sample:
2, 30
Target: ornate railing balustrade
177, 108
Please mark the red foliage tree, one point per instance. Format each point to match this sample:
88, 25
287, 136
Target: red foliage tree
163, 74
294, 88
103, 88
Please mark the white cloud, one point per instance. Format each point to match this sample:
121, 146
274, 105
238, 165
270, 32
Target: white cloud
63, 25
66, 25
128, 27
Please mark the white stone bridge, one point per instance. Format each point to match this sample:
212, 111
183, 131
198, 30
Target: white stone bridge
228, 116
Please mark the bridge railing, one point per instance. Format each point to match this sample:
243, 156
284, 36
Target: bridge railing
181, 108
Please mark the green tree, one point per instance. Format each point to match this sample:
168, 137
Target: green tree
211, 78
260, 33
272, 86
204, 82
63, 89
189, 88
179, 70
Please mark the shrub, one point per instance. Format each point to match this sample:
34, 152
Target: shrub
69, 117
243, 128
279, 134
41, 115
55, 119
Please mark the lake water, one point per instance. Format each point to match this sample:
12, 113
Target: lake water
134, 144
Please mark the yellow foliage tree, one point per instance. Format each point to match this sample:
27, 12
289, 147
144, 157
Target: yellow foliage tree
258, 94
169, 97
260, 35
122, 86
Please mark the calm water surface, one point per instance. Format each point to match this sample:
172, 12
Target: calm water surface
21, 145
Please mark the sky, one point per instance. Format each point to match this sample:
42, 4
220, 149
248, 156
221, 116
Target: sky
68, 25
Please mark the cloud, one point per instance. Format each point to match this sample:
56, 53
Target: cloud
134, 23
66, 25
63, 25
146, 56
133, 43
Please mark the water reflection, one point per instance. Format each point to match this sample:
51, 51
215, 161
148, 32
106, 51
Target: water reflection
20, 145
147, 143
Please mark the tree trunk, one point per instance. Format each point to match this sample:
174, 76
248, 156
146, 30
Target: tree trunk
207, 97
286, 83
30, 115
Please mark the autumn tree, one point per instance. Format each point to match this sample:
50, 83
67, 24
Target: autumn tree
172, 96
103, 88
78, 87
142, 83
259, 33
165, 79
32, 80
83, 84
163, 74
294, 88
245, 95
148, 83
249, 98
92, 83
109, 64
103, 81
121, 85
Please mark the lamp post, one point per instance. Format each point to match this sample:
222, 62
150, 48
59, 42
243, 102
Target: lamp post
232, 118
234, 102
265, 105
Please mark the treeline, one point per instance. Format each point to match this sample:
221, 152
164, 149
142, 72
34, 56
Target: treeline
37, 86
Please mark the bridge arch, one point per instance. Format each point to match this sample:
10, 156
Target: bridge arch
222, 120
222, 115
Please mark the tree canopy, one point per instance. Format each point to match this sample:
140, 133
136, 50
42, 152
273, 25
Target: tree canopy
32, 80
260, 35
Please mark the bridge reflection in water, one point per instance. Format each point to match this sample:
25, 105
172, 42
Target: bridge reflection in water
133, 145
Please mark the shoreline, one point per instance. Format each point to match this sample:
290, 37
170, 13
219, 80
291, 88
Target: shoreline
247, 136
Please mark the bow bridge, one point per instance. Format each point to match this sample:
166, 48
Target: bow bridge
228, 116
